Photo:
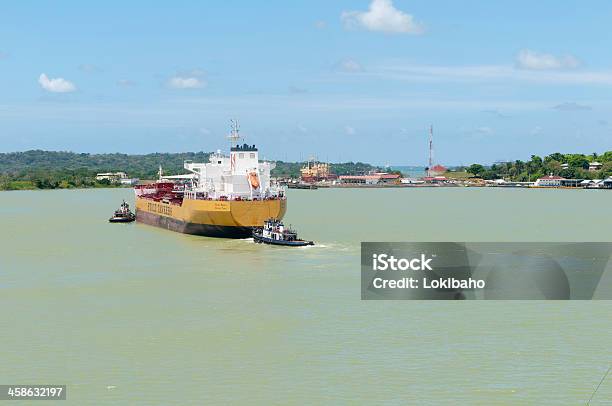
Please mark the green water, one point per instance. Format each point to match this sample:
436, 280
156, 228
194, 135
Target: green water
131, 314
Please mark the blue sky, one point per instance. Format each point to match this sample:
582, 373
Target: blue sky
342, 80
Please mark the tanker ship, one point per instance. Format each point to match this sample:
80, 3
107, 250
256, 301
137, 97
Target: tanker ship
225, 197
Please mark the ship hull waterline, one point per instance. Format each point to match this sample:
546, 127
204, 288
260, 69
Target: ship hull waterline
224, 219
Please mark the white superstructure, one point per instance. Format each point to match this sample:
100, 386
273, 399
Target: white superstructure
239, 176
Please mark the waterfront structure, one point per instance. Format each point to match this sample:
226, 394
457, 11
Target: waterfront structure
592, 183
587, 182
571, 182
549, 181
436, 179
411, 181
225, 197
315, 171
375, 178
129, 181
114, 177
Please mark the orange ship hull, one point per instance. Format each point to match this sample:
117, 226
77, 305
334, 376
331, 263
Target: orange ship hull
213, 218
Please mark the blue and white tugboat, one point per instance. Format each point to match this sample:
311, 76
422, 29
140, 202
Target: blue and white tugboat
274, 232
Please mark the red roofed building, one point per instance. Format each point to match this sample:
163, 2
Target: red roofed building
549, 181
436, 170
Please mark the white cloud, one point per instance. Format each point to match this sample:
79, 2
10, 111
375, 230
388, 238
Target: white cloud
302, 129
205, 131
3, 55
183, 82
488, 73
57, 85
572, 107
527, 59
348, 130
382, 16
320, 24
349, 65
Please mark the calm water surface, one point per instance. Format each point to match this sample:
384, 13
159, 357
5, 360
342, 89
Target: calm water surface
131, 314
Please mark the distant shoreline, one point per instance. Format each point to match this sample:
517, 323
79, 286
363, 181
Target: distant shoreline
33, 188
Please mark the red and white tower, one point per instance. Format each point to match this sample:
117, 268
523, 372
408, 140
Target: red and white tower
431, 152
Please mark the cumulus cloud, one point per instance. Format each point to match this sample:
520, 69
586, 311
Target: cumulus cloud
349, 65
56, 85
3, 55
528, 59
320, 24
184, 82
348, 130
190, 79
572, 107
382, 16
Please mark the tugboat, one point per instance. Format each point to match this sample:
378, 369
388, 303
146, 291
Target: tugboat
123, 214
274, 232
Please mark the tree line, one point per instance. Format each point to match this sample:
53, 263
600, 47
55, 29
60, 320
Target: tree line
569, 166
37, 169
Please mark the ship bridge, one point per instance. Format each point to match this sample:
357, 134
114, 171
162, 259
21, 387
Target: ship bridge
239, 175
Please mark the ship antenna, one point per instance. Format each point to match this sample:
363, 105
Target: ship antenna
234, 135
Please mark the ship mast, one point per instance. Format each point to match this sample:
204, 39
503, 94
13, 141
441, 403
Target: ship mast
234, 135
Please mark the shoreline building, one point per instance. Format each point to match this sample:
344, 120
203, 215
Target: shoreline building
315, 171
115, 177
549, 181
437, 170
376, 178
594, 166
